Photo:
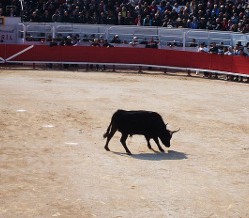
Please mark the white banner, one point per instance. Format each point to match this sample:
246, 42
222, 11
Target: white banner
8, 34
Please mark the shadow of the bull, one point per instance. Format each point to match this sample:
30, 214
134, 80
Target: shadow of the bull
157, 156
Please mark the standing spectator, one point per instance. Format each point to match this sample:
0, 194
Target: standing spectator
129, 20
176, 7
203, 48
228, 50
246, 49
87, 17
35, 17
202, 23
52, 44
69, 41
46, 17
116, 39
174, 15
95, 18
102, 18
161, 7
120, 19
134, 42
1, 12
215, 12
152, 43
218, 24
111, 19
156, 20
12, 12
95, 43
66, 17
194, 24
235, 18
102, 7
245, 28
147, 21
213, 48
236, 49
56, 16
81, 17
123, 12
74, 16
193, 43
184, 14
107, 45
138, 20
153, 7
221, 48
224, 24
210, 24
168, 6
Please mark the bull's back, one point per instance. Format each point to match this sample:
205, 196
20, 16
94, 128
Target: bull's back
139, 122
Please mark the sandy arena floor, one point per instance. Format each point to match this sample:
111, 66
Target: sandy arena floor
53, 162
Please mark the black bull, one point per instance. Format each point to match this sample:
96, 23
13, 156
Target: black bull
147, 123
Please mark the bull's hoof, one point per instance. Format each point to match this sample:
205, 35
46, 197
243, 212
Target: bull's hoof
162, 151
106, 148
129, 153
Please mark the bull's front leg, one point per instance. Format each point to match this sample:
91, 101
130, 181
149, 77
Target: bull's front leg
158, 144
123, 142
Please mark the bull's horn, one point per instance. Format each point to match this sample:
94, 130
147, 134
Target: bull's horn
172, 132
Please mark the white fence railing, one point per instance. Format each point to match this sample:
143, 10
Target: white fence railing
28, 33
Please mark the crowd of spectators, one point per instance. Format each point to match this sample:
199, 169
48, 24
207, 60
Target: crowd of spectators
220, 49
223, 15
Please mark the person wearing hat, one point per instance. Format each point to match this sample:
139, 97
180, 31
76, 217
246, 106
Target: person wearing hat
116, 39
134, 41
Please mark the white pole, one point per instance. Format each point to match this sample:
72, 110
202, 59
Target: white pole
19, 53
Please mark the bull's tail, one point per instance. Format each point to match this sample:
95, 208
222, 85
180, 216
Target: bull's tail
107, 131
113, 127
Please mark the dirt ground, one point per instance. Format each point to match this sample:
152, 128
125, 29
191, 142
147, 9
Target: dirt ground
53, 162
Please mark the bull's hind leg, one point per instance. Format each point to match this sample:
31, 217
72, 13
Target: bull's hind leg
123, 142
158, 144
109, 136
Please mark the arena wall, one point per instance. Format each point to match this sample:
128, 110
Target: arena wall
12, 53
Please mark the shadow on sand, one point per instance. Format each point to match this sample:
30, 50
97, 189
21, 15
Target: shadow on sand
157, 156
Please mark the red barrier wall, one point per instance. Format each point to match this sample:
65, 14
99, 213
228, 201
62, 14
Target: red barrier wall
124, 55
